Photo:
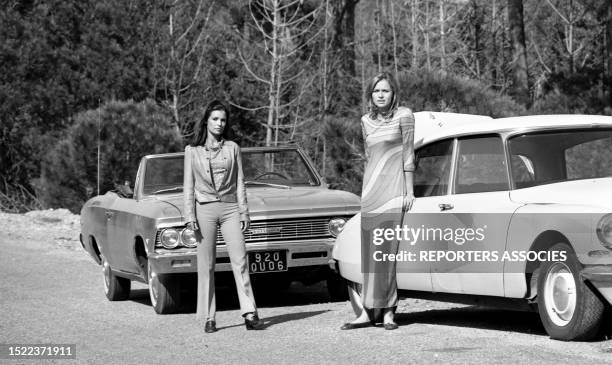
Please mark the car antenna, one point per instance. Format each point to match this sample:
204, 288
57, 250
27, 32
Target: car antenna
99, 120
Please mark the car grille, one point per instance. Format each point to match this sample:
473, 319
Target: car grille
286, 229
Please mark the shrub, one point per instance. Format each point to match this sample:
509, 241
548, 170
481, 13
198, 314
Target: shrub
128, 131
435, 91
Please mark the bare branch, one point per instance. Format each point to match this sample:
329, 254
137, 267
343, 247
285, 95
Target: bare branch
251, 72
557, 11
247, 108
537, 50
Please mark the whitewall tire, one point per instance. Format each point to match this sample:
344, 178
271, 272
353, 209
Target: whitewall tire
568, 308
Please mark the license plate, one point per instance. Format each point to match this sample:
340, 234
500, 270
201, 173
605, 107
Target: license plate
267, 261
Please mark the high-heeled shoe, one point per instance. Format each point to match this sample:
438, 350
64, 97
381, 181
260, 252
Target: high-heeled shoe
210, 326
253, 324
390, 326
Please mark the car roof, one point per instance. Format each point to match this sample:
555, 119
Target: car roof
433, 126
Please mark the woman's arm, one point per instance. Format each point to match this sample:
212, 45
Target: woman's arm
243, 206
407, 130
365, 146
188, 193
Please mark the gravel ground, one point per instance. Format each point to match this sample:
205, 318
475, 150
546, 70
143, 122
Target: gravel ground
51, 292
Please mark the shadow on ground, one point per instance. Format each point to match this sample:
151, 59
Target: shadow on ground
298, 294
477, 317
227, 298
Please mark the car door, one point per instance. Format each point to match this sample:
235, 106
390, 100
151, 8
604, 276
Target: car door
479, 202
431, 183
120, 233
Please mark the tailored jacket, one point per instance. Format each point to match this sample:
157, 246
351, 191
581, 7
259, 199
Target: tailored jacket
198, 186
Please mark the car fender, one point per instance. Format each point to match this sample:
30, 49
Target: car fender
347, 250
536, 227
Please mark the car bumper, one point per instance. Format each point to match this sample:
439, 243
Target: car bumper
601, 278
299, 254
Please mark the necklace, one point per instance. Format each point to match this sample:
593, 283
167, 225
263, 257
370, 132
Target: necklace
214, 146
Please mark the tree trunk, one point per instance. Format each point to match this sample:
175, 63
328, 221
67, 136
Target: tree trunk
493, 60
394, 39
379, 50
426, 35
609, 52
442, 36
519, 51
343, 37
415, 35
272, 96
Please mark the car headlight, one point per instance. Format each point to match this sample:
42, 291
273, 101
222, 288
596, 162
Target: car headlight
170, 238
604, 231
336, 225
188, 236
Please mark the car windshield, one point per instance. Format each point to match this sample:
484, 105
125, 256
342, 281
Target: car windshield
271, 168
280, 167
549, 157
163, 175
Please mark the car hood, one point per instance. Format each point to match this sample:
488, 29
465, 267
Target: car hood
591, 192
268, 203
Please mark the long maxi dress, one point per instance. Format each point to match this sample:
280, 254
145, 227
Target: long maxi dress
389, 146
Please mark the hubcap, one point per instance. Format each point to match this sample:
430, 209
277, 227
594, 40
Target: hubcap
153, 284
560, 294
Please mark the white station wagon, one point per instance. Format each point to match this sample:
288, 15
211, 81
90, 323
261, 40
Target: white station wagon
535, 195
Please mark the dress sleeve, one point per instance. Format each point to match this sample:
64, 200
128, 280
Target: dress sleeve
188, 187
407, 130
243, 206
365, 145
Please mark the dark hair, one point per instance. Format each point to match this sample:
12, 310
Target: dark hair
372, 109
199, 137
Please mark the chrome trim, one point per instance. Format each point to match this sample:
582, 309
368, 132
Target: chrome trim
450, 189
286, 229
162, 259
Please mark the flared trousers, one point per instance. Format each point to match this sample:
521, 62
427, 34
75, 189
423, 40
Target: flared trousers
226, 216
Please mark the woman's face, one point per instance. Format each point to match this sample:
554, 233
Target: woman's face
382, 94
216, 123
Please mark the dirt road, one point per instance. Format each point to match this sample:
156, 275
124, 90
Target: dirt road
51, 292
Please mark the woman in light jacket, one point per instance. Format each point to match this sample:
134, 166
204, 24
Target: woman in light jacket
215, 195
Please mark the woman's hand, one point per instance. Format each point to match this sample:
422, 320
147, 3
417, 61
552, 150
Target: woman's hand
407, 203
244, 225
193, 226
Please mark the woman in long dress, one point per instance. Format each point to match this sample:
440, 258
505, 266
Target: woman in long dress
387, 193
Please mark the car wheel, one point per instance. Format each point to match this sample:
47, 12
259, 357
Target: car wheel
115, 287
163, 290
568, 307
337, 288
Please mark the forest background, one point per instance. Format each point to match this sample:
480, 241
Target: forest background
136, 75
